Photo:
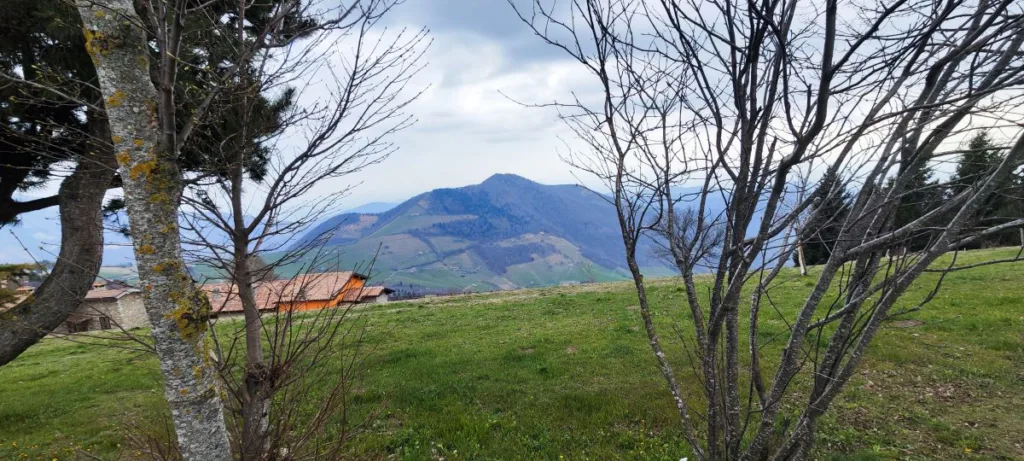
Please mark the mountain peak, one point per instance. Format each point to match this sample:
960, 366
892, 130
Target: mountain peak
506, 178
505, 232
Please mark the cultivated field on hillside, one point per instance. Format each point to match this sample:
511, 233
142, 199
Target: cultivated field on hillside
567, 372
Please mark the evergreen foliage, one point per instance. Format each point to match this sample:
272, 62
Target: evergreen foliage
828, 221
41, 41
922, 194
979, 158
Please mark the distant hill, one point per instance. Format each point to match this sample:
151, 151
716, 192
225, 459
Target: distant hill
372, 207
507, 232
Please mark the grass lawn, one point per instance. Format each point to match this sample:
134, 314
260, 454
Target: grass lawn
567, 372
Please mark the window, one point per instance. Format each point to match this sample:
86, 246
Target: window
104, 323
78, 327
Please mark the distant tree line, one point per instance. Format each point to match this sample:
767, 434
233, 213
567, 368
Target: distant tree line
927, 191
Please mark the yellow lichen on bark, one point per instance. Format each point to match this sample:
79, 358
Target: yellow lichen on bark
89, 37
142, 169
165, 266
95, 43
191, 314
115, 99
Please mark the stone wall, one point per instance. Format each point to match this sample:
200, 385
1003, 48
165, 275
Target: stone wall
126, 312
132, 313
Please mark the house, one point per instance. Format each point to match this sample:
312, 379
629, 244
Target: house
107, 309
305, 292
369, 295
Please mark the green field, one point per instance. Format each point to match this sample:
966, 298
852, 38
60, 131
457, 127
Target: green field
566, 373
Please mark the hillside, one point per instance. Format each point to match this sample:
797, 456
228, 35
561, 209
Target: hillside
507, 232
566, 372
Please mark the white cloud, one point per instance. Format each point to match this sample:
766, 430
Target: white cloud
44, 237
468, 127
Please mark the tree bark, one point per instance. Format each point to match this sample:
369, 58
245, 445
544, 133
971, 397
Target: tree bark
12, 208
800, 258
81, 253
257, 390
152, 184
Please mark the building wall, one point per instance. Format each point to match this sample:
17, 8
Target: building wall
379, 299
127, 312
132, 311
89, 314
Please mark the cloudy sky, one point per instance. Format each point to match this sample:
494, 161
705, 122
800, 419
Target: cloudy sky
467, 130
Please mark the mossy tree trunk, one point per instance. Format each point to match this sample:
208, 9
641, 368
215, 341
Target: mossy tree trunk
152, 184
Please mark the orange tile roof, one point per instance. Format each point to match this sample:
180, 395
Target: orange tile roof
307, 287
311, 287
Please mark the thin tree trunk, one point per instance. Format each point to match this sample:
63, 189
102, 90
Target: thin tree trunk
80, 202
800, 258
733, 438
152, 185
256, 391
257, 379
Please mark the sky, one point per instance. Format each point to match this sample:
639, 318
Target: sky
468, 128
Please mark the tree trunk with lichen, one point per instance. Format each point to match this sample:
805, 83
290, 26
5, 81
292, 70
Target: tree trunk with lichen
152, 185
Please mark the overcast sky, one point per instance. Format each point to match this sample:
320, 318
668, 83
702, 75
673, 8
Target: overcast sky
466, 130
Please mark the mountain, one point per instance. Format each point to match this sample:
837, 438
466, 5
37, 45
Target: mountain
372, 207
507, 232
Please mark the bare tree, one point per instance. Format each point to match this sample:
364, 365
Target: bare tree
236, 50
233, 219
148, 136
750, 101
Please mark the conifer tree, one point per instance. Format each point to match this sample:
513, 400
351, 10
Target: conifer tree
824, 230
981, 156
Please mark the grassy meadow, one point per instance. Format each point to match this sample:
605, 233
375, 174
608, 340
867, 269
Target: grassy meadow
567, 373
